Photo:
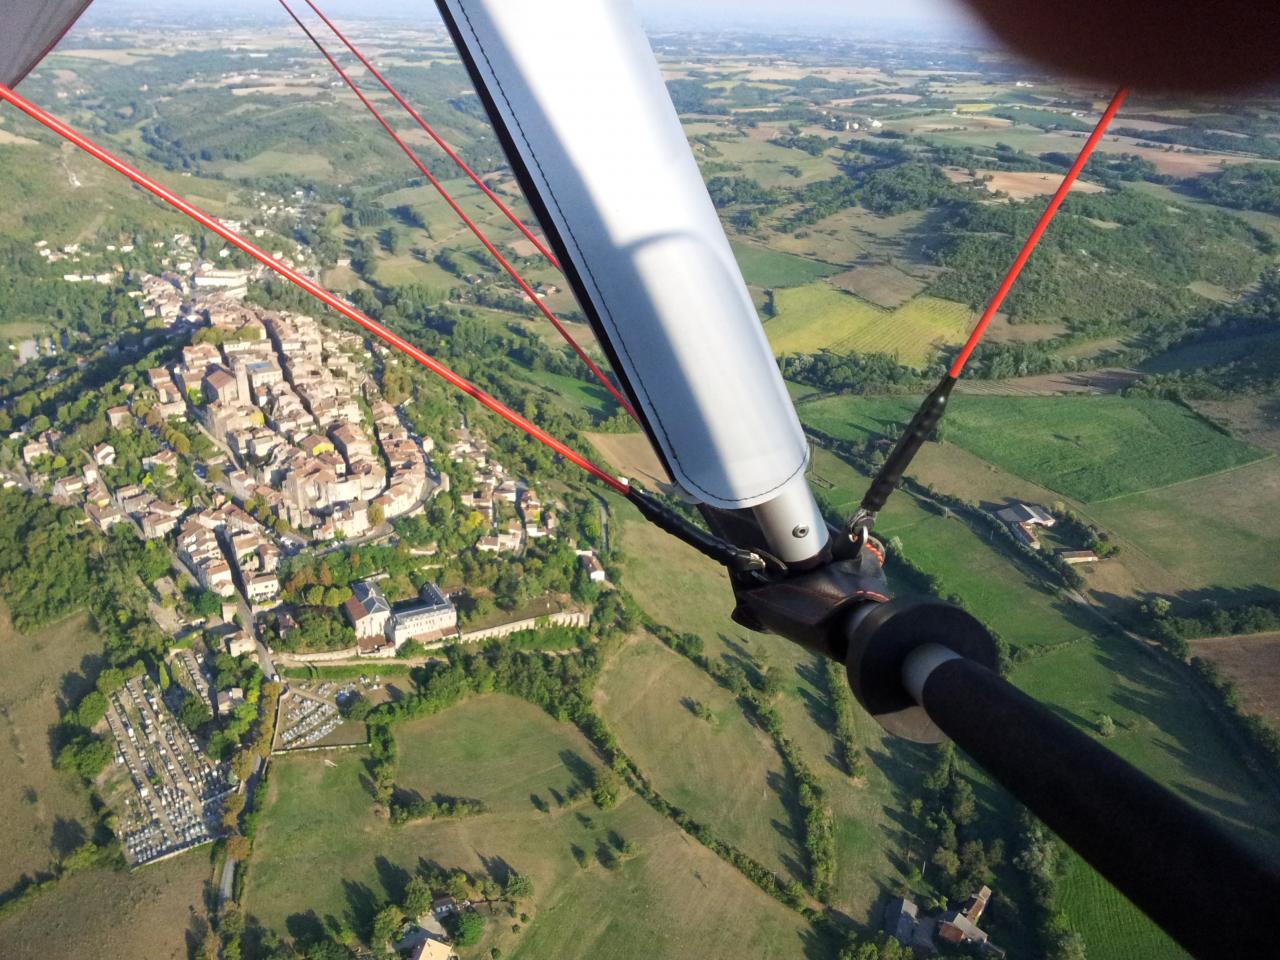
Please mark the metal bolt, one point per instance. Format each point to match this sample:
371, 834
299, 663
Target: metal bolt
801, 531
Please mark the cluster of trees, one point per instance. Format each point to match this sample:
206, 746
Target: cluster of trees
734, 191
1162, 250
47, 566
693, 95
1110, 169
1240, 334
1040, 859
855, 763
319, 628
1243, 136
859, 373
810, 143
963, 858
1075, 528
911, 185
1215, 621
407, 807
1245, 186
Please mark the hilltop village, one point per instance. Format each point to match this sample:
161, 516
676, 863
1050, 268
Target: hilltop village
262, 452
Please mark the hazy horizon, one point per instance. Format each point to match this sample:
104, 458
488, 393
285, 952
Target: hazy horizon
926, 19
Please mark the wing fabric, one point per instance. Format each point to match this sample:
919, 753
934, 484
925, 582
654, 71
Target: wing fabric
577, 98
28, 31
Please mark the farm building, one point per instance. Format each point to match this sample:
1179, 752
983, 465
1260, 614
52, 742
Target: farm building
1079, 556
1026, 513
1023, 518
591, 565
903, 922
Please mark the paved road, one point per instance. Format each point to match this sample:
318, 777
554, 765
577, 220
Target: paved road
227, 887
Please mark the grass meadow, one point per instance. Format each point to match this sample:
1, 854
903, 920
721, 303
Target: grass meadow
323, 851
1236, 524
571, 394
726, 773
1163, 728
763, 267
1007, 596
46, 813
157, 913
693, 595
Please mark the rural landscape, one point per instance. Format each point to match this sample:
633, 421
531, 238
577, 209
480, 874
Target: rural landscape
307, 656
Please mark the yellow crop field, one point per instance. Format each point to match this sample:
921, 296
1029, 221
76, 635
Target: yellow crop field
818, 317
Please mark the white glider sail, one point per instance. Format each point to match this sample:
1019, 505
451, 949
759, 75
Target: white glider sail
29, 30
576, 95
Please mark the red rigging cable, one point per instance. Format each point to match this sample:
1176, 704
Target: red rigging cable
1025, 253
926, 419
51, 122
426, 127
471, 224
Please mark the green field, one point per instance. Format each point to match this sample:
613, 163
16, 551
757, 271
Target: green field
1091, 448
46, 813
679, 587
409, 270
818, 317
1112, 927
727, 774
1007, 595
323, 851
763, 267
572, 394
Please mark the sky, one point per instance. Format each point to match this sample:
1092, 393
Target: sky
924, 17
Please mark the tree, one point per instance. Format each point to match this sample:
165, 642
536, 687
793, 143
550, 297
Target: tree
377, 514
518, 887
238, 847
232, 807
470, 930
207, 604
92, 709
242, 764
605, 787
194, 713
1106, 727
417, 897
1066, 945
458, 885
386, 924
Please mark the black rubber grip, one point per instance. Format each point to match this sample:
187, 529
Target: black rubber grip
904, 451
1210, 892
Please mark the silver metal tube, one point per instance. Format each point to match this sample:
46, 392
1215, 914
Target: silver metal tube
791, 522
920, 663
